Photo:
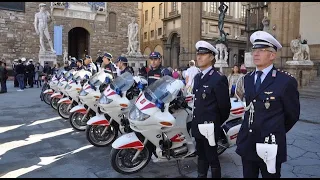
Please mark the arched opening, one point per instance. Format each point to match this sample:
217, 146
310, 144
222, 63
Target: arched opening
175, 51
78, 42
159, 49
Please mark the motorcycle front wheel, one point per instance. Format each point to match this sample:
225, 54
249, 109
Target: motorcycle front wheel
222, 145
76, 120
47, 98
63, 110
95, 137
54, 103
121, 160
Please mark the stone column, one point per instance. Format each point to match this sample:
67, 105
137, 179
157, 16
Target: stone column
284, 25
191, 16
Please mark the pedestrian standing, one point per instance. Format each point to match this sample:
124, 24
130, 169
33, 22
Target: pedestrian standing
20, 71
37, 75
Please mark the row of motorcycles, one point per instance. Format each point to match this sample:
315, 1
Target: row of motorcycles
140, 122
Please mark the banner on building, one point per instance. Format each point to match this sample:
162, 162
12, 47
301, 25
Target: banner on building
58, 40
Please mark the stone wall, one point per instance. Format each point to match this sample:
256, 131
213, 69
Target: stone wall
18, 38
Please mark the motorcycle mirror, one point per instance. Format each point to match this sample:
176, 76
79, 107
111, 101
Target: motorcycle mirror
141, 86
118, 91
107, 80
160, 105
86, 76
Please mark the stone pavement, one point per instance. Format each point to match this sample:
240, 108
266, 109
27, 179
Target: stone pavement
35, 142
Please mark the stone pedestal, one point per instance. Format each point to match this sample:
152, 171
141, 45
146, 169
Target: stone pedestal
300, 63
136, 61
221, 57
47, 56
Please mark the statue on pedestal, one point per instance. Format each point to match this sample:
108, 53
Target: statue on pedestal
41, 20
133, 43
223, 8
301, 52
266, 24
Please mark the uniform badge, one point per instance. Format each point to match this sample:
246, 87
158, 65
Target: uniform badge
204, 95
268, 92
267, 104
274, 73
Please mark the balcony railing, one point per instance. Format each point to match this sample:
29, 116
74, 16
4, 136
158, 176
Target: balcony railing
98, 7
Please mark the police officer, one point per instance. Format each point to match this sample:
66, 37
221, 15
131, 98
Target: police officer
122, 64
79, 64
14, 64
30, 71
273, 97
157, 70
73, 64
109, 67
89, 65
211, 104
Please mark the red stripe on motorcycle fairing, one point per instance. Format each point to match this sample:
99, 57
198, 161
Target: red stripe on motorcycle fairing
242, 108
233, 136
176, 138
82, 111
139, 97
135, 145
101, 122
112, 93
150, 105
238, 112
67, 101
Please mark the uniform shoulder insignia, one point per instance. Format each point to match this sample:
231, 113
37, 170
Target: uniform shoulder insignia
220, 73
285, 72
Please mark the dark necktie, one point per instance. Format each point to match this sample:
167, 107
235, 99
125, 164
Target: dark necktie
201, 74
258, 81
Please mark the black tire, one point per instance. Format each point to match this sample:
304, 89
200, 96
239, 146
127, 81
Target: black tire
93, 135
47, 98
77, 116
54, 103
127, 170
61, 106
222, 145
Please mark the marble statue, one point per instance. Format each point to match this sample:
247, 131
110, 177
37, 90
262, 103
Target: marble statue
41, 20
266, 23
300, 51
133, 43
223, 52
65, 55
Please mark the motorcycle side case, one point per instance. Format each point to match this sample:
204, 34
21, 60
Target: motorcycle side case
128, 141
231, 129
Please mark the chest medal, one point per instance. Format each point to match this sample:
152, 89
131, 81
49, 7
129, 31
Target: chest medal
204, 95
267, 104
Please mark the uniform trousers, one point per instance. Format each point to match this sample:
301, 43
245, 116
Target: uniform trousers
251, 169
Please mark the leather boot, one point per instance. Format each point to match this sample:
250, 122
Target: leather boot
203, 167
216, 172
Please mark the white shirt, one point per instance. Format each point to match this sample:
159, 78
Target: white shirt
191, 73
204, 72
265, 72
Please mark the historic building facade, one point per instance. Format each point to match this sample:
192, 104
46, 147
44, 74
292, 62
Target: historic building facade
87, 27
185, 23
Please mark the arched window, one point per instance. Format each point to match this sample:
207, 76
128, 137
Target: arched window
112, 22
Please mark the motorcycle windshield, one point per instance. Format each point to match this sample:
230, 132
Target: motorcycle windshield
123, 82
162, 90
96, 79
60, 73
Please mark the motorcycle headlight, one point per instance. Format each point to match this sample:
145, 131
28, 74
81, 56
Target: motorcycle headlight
104, 100
83, 93
136, 115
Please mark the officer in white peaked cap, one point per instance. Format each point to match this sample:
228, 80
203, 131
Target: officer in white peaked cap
211, 104
273, 99
262, 39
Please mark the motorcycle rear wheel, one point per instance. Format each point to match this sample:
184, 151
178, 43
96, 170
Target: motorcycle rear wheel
121, 160
93, 134
54, 103
47, 98
76, 123
63, 111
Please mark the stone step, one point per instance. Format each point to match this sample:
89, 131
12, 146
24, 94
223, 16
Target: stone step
310, 94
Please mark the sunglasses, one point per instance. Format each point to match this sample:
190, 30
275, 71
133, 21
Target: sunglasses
260, 50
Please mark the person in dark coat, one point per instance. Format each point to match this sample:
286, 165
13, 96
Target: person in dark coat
122, 64
20, 71
211, 104
30, 71
109, 67
157, 70
274, 98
